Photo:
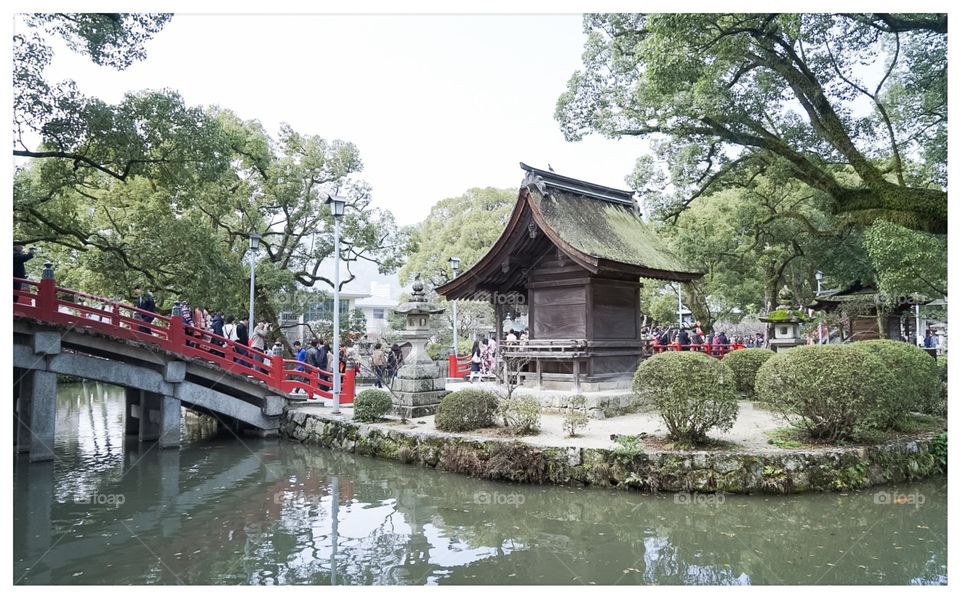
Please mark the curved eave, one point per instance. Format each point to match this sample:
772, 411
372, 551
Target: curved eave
489, 260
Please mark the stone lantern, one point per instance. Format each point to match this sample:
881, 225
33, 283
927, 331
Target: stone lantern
786, 322
418, 385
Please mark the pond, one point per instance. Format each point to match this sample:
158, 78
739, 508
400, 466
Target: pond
223, 510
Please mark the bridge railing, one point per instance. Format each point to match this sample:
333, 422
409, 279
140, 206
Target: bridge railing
459, 366
46, 302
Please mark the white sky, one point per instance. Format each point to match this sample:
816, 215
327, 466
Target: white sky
436, 104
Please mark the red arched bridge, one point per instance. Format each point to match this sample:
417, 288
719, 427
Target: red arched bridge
161, 362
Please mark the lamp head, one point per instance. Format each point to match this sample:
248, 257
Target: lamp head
455, 263
254, 241
819, 275
337, 205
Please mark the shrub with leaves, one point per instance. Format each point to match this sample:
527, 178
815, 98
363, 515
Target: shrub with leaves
465, 410
521, 414
917, 381
692, 392
745, 363
831, 391
575, 415
371, 404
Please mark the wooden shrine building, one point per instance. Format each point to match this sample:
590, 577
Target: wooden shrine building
573, 252
864, 315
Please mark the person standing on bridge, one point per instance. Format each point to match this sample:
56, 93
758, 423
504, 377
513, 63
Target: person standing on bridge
258, 340
19, 266
145, 303
243, 340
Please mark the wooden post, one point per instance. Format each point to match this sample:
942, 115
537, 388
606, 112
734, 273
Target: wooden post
576, 375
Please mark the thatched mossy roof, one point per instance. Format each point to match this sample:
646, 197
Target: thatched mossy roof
606, 230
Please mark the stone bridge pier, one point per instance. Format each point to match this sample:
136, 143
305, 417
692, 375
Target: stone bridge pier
158, 385
151, 416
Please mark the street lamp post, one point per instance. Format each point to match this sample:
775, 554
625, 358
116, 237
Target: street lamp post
455, 266
819, 277
337, 205
254, 248
679, 305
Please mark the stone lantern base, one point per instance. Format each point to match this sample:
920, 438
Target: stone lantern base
418, 389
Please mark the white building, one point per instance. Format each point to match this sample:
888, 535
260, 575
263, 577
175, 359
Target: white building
377, 306
373, 293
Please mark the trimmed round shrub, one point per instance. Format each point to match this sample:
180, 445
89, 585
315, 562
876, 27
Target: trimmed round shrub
465, 410
917, 380
371, 404
745, 363
832, 391
691, 391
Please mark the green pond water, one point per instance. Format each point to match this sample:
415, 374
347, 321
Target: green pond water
224, 510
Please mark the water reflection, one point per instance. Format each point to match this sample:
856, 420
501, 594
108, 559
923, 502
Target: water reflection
222, 510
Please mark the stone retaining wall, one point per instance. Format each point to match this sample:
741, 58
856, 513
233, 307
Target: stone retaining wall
773, 472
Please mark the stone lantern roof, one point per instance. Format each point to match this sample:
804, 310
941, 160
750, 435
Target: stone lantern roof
418, 304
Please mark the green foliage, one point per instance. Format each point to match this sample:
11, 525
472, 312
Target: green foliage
751, 240
691, 391
438, 351
628, 446
917, 382
353, 325
744, 363
181, 228
785, 438
787, 315
371, 405
940, 451
719, 95
831, 391
575, 415
521, 414
466, 410
465, 227
907, 262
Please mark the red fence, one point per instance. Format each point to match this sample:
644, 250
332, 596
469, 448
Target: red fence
717, 351
46, 302
459, 366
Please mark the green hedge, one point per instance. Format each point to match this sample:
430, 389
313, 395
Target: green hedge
691, 391
745, 363
466, 410
917, 386
832, 391
372, 404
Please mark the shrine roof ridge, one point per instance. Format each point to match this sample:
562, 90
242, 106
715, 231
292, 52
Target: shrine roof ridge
564, 183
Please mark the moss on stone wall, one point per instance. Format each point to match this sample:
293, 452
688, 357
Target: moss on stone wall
780, 472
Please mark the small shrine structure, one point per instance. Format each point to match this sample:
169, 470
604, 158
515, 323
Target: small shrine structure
573, 253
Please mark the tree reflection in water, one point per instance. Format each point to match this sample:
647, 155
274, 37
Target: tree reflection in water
223, 510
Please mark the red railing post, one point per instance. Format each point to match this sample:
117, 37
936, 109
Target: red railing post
176, 336
349, 386
277, 373
47, 294
452, 367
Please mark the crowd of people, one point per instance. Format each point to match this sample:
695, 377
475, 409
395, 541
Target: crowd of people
483, 356
386, 364
694, 339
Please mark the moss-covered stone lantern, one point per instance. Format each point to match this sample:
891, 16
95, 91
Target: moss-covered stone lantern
786, 320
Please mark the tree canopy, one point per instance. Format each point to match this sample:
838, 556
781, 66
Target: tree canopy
154, 191
466, 227
853, 106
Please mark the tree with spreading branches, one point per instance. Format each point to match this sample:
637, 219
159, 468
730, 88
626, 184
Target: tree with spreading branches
854, 106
